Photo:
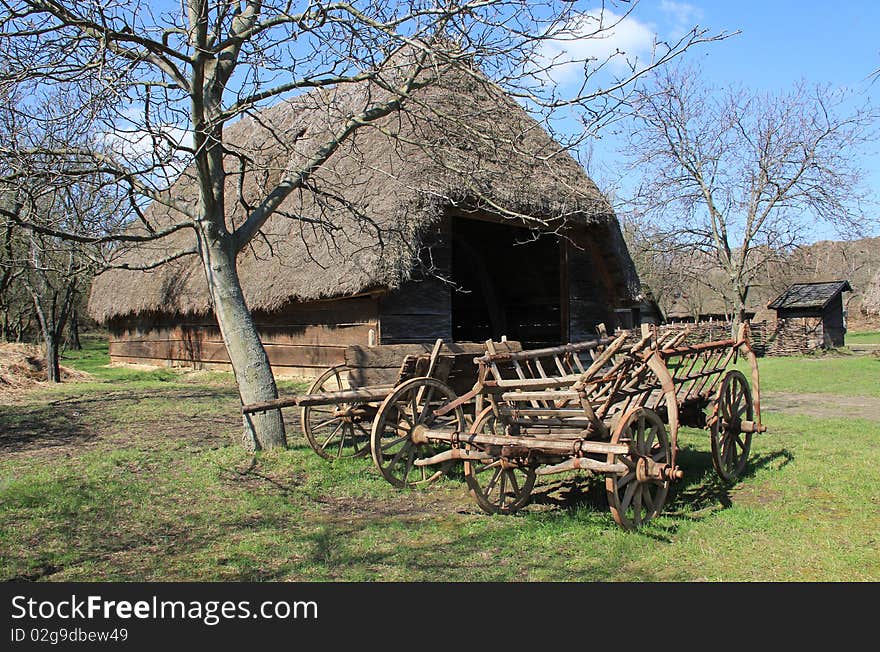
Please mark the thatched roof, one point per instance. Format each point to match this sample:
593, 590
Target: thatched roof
458, 145
871, 298
809, 295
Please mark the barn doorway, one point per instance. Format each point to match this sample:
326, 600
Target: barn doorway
507, 281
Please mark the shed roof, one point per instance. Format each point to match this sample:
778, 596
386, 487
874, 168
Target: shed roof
809, 295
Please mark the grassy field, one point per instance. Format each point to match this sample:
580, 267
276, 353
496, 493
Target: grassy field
137, 476
851, 375
866, 337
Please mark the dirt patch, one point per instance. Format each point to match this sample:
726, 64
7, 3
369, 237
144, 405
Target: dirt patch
73, 426
754, 496
23, 366
822, 406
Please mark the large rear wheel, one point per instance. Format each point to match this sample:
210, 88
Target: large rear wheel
730, 446
396, 441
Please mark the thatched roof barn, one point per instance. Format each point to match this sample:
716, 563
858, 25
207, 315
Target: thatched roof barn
459, 217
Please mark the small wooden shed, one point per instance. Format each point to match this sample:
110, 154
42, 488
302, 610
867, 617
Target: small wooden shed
812, 312
459, 218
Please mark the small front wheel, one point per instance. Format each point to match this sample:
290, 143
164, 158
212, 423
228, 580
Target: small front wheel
335, 430
498, 485
635, 498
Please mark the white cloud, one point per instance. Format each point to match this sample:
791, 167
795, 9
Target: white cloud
158, 159
139, 143
682, 15
597, 37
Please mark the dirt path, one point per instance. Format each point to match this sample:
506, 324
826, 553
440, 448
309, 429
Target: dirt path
822, 406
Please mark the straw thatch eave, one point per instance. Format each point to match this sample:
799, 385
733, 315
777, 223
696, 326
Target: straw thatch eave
459, 145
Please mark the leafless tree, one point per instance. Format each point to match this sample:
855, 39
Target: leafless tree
164, 84
744, 177
40, 190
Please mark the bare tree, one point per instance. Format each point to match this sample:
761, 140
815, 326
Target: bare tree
51, 272
164, 84
46, 193
744, 177
669, 274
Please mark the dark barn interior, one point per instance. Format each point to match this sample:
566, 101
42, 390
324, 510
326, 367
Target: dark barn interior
508, 283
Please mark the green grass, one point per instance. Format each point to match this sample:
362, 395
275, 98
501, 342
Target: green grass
867, 337
854, 375
94, 359
142, 479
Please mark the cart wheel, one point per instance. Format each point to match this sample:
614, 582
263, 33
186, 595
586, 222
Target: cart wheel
332, 430
403, 412
730, 447
498, 486
634, 501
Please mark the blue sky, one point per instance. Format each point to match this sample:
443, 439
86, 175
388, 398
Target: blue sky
781, 42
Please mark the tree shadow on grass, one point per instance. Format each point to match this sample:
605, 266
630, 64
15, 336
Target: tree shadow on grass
191, 416
23, 429
110, 396
474, 556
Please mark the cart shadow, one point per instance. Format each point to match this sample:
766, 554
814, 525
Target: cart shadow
700, 494
571, 493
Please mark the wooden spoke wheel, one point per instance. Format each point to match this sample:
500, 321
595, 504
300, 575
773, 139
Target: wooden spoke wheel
499, 486
405, 412
730, 446
339, 429
635, 499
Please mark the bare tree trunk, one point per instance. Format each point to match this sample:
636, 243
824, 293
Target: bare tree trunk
53, 367
50, 337
250, 364
739, 310
73, 332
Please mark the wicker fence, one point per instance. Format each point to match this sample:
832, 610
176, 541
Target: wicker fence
782, 337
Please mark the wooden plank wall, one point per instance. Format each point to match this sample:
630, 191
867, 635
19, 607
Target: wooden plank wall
301, 338
421, 309
381, 364
589, 297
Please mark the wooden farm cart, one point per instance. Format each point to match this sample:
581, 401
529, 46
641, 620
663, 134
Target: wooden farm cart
337, 410
615, 412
